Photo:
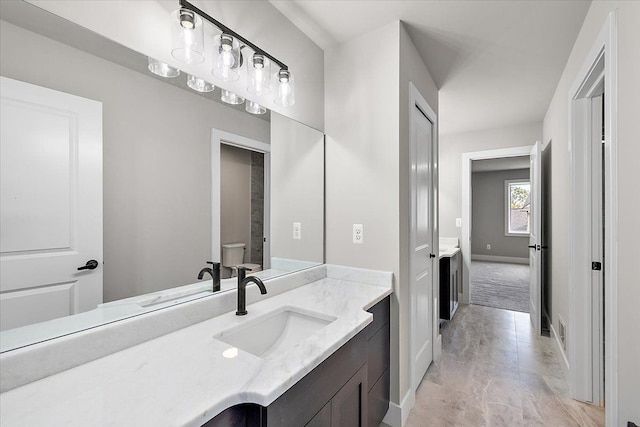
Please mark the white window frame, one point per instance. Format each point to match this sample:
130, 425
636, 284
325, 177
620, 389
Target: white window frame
507, 207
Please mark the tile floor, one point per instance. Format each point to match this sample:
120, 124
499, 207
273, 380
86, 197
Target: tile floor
495, 371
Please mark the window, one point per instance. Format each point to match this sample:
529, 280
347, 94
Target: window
518, 207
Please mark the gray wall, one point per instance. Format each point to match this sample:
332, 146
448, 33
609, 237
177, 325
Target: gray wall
157, 175
235, 198
452, 146
297, 190
488, 215
367, 133
556, 129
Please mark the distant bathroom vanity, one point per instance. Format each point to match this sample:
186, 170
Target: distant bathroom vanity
449, 277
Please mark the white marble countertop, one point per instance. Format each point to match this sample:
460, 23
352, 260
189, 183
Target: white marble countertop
448, 252
182, 378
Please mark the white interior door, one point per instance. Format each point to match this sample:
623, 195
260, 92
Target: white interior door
597, 253
51, 203
422, 250
535, 236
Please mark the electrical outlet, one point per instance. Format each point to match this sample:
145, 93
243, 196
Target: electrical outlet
358, 233
297, 230
488, 247
459, 222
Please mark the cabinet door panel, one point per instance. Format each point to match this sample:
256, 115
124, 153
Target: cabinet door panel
378, 354
322, 418
349, 405
298, 405
378, 400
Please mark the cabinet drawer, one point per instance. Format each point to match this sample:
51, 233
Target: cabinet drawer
381, 312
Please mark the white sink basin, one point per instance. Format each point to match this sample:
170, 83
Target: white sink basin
274, 333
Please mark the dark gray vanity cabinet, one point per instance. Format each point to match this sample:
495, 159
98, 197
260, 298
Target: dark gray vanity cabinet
349, 389
449, 286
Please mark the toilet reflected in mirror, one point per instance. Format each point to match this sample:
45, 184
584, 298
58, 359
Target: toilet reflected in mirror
233, 256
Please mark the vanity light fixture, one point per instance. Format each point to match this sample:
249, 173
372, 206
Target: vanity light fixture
228, 57
254, 108
231, 97
161, 69
198, 84
187, 39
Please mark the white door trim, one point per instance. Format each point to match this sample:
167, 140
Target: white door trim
600, 65
417, 100
465, 242
219, 137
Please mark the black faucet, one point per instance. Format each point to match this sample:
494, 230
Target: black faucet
242, 289
214, 272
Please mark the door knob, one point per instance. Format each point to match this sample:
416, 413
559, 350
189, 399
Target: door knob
92, 264
432, 255
532, 246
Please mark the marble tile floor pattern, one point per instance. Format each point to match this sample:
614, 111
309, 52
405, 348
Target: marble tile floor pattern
495, 371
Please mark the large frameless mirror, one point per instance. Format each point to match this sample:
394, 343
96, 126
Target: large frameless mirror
151, 177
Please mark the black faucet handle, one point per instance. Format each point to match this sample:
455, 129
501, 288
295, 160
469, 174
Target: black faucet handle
242, 272
216, 265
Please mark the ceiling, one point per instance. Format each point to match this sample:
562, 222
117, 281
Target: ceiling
497, 63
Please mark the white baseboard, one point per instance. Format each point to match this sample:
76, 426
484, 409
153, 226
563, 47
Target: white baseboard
494, 258
397, 414
559, 344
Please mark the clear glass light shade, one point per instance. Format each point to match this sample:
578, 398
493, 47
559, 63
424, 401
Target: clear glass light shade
259, 75
285, 93
161, 69
187, 38
227, 58
231, 97
254, 108
199, 85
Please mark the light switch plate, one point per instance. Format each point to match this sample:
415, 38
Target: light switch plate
358, 233
297, 230
459, 222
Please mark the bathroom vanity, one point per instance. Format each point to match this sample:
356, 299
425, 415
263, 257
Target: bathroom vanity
449, 282
350, 388
331, 367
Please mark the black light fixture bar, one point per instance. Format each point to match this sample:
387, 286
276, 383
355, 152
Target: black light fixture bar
186, 5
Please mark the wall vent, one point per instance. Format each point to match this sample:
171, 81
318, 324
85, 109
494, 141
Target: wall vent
563, 335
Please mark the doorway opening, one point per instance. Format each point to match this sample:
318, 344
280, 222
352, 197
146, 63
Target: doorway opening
500, 228
241, 209
241, 186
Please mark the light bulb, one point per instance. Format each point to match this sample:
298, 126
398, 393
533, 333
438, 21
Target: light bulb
285, 96
199, 85
226, 58
187, 37
258, 73
231, 97
254, 108
161, 69
284, 90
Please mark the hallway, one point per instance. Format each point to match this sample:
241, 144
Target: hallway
495, 371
